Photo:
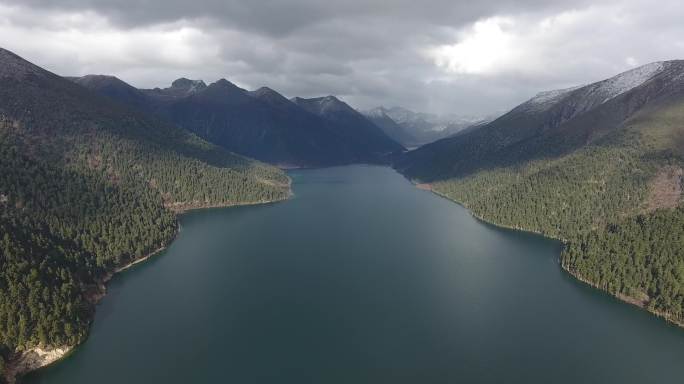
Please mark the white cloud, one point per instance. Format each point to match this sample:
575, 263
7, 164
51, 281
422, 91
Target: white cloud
530, 52
77, 43
480, 50
524, 44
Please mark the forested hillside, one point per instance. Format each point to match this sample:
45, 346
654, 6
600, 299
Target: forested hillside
603, 172
87, 186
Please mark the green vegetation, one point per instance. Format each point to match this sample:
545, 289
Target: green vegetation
596, 199
85, 188
641, 257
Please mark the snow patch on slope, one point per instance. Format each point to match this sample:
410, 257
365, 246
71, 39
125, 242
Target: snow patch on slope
629, 80
378, 112
595, 94
546, 99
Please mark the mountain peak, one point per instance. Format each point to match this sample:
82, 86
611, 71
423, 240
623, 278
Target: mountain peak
114, 88
96, 81
323, 105
191, 86
266, 92
331, 103
331, 99
225, 84
224, 92
270, 96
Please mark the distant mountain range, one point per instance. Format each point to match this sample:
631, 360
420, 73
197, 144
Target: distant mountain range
413, 129
599, 166
261, 124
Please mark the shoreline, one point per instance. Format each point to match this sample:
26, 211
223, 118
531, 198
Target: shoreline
621, 297
428, 187
641, 304
37, 358
182, 208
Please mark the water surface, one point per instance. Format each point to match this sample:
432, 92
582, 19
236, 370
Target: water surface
362, 278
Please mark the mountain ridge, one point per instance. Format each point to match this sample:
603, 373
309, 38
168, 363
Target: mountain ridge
262, 124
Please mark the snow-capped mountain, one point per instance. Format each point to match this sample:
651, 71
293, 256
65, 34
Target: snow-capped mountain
419, 128
601, 92
554, 122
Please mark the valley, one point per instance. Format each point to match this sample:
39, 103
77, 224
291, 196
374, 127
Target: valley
338, 295
97, 175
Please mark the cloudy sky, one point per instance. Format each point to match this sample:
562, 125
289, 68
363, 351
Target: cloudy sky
444, 56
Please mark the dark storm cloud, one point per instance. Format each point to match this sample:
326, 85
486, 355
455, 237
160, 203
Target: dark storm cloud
443, 55
278, 17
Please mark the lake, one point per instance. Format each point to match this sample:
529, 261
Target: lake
362, 278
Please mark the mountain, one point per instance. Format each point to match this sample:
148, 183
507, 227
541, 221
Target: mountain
261, 124
349, 123
550, 124
114, 88
416, 129
597, 166
400, 134
88, 186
